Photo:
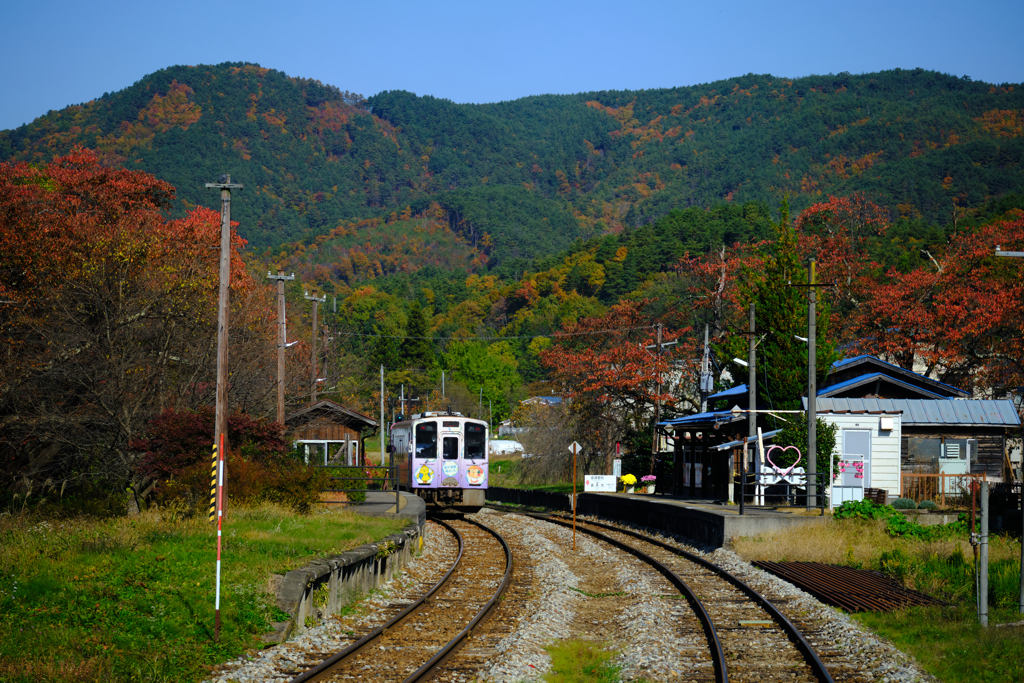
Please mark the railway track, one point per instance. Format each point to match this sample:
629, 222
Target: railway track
748, 638
418, 641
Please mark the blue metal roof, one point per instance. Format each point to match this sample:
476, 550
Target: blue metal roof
721, 416
871, 377
738, 390
923, 412
866, 357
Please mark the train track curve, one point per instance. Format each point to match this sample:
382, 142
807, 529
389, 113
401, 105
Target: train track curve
414, 643
749, 638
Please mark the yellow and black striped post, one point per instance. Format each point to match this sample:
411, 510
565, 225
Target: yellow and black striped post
213, 485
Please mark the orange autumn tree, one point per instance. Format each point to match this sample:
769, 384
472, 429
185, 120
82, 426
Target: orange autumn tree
108, 313
610, 379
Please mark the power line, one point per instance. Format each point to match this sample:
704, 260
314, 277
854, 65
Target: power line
520, 336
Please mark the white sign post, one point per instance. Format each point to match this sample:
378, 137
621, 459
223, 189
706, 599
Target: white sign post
575, 447
617, 468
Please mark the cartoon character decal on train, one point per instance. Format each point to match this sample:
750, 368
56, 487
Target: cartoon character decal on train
442, 457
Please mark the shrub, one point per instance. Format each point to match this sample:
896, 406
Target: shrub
861, 509
904, 504
927, 505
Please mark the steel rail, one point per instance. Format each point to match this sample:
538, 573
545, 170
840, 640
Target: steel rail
321, 668
792, 632
430, 667
717, 653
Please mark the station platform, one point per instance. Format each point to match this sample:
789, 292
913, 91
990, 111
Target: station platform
382, 504
703, 521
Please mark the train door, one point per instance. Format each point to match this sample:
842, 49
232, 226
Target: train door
451, 450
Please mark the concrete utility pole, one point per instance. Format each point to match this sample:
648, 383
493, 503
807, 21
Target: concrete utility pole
220, 431
1018, 254
312, 354
282, 339
752, 407
706, 378
812, 389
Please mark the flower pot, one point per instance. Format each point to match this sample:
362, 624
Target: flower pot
650, 488
629, 489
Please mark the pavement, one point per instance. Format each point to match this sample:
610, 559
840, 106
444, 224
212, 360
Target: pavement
382, 504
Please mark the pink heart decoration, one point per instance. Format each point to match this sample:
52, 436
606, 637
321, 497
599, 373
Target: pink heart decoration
778, 470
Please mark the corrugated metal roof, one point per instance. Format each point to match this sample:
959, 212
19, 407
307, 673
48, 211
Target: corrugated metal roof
920, 412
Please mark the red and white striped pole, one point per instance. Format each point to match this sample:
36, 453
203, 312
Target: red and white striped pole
220, 522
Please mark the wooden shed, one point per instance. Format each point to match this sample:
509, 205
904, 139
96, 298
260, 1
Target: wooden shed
330, 433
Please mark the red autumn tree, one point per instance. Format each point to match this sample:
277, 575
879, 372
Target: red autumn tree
959, 317
109, 314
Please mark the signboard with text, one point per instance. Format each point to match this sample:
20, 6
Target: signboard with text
599, 482
617, 468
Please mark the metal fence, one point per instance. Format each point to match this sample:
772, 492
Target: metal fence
370, 475
773, 491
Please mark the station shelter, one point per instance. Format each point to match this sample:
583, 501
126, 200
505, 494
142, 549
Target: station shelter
328, 433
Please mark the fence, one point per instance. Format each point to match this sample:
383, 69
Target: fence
384, 483
954, 489
791, 490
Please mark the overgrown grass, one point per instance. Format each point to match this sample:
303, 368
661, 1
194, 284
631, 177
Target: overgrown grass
950, 644
132, 599
581, 661
947, 642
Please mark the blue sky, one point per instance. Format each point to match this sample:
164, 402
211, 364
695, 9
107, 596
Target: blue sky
60, 53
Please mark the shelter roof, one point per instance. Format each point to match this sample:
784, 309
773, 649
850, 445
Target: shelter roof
329, 410
868, 379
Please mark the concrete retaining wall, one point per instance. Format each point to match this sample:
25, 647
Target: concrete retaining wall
530, 498
325, 586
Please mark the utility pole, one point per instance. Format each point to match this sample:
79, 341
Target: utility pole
312, 359
812, 389
282, 339
383, 431
1018, 254
657, 407
752, 407
220, 429
221, 422
706, 379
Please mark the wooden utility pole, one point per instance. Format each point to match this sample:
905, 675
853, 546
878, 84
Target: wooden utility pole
312, 360
220, 430
282, 339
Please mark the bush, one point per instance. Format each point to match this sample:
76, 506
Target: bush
282, 480
861, 509
927, 505
904, 504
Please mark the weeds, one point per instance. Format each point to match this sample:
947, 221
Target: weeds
579, 661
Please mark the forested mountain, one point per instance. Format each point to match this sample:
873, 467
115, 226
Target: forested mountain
522, 179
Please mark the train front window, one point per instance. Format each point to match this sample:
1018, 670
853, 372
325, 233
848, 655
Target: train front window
451, 448
426, 440
476, 441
